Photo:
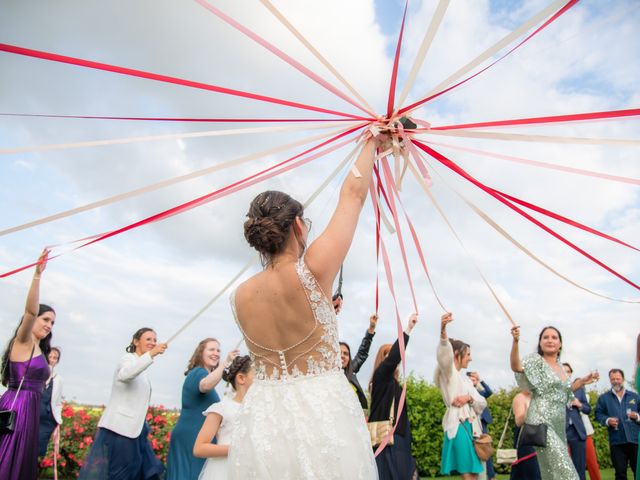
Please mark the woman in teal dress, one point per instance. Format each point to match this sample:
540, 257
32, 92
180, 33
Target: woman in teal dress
202, 375
542, 374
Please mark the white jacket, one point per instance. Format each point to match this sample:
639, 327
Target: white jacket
56, 398
130, 394
453, 383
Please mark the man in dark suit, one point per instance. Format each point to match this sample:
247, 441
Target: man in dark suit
485, 417
576, 433
617, 409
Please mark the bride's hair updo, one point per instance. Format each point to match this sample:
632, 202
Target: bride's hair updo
271, 215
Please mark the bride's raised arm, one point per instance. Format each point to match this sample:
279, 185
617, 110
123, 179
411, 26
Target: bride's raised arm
327, 252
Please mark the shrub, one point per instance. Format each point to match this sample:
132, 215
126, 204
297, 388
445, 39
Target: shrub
426, 409
79, 427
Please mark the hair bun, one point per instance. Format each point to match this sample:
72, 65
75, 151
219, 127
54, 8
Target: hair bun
264, 234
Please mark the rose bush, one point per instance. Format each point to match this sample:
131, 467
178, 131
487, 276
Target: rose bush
79, 427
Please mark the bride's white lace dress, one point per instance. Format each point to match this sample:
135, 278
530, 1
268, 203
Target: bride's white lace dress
301, 419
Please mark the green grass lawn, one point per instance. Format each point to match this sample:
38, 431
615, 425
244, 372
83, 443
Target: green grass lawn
607, 474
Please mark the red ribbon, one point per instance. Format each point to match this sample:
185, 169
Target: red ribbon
396, 61
396, 222
238, 185
164, 78
387, 269
526, 457
450, 164
576, 117
555, 16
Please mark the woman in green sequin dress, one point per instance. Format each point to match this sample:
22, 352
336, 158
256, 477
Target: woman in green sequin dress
541, 373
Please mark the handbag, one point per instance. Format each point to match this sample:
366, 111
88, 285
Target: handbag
533, 435
481, 444
8, 417
505, 456
378, 430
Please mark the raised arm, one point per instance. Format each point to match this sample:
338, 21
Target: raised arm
327, 252
365, 345
209, 382
516, 363
389, 364
444, 352
32, 305
582, 381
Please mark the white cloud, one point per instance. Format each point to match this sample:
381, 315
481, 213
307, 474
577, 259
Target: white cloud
161, 274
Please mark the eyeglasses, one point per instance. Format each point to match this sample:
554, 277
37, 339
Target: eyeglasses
308, 223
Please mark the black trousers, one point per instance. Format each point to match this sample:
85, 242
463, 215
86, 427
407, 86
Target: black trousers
623, 455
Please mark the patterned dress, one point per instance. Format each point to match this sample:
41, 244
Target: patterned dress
300, 418
549, 398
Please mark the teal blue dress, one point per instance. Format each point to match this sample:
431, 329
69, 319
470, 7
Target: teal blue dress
181, 464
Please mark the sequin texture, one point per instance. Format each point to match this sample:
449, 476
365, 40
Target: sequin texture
549, 398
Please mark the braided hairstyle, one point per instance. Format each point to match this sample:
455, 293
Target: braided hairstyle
269, 219
240, 364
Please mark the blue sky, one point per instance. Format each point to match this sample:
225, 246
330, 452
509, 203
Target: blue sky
161, 274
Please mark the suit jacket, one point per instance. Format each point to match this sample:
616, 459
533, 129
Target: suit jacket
130, 393
574, 425
608, 405
486, 392
56, 398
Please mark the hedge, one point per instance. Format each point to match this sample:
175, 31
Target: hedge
426, 409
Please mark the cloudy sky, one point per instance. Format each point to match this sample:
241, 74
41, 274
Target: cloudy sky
161, 274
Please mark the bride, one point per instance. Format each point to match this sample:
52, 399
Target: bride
300, 419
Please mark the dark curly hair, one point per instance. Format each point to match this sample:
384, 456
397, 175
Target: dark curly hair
269, 219
240, 364
45, 345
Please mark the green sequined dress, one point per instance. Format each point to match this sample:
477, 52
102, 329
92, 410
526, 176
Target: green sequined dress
549, 397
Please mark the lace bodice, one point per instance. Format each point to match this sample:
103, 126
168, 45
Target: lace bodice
316, 353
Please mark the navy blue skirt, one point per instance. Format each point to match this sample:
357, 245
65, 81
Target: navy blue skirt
395, 461
116, 457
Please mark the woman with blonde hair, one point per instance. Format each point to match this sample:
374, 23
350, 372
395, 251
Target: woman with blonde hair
204, 371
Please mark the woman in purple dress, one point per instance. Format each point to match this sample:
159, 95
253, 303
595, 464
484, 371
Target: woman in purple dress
25, 357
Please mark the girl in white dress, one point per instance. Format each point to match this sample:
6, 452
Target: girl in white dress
220, 420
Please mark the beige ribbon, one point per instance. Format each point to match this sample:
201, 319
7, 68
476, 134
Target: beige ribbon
521, 247
523, 137
436, 20
213, 300
166, 183
251, 261
173, 136
276, 13
427, 190
546, 12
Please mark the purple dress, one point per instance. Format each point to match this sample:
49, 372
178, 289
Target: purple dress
19, 450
